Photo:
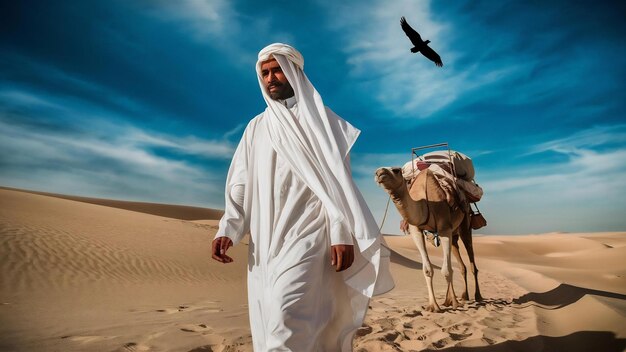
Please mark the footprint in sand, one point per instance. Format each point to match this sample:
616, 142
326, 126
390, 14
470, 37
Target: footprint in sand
393, 336
206, 348
460, 332
384, 324
167, 310
364, 330
412, 314
133, 347
224, 343
173, 310
195, 328
185, 308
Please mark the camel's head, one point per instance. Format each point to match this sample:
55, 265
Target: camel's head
390, 178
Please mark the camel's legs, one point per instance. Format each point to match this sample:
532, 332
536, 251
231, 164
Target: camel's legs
446, 270
462, 267
427, 267
466, 237
445, 233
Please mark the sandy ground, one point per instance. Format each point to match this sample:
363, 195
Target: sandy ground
80, 275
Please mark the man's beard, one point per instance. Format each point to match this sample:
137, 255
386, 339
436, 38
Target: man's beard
282, 92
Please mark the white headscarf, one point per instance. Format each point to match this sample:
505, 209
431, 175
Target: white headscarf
316, 145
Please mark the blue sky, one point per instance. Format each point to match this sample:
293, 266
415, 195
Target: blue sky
146, 100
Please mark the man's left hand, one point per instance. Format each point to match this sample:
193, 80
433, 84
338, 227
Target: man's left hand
404, 226
341, 256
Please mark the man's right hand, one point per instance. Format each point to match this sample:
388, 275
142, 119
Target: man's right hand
220, 246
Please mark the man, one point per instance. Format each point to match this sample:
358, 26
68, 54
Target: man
315, 250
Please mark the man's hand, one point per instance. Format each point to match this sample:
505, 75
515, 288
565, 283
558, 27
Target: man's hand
220, 246
404, 226
341, 256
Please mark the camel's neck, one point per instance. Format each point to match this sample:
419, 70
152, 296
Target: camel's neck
414, 212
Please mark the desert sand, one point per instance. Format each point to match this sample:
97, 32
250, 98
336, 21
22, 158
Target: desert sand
80, 274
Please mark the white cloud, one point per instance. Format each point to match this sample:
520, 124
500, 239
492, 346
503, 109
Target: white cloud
367, 163
68, 110
219, 24
409, 84
234, 132
202, 18
18, 97
190, 145
106, 157
582, 193
592, 137
115, 167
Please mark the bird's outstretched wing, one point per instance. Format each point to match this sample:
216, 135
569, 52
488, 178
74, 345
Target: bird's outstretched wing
432, 55
411, 33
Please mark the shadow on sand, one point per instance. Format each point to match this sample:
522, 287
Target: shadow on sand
581, 341
398, 258
563, 295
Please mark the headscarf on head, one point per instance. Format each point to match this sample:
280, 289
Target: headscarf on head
285, 50
316, 145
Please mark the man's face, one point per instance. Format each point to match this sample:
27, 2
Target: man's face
275, 81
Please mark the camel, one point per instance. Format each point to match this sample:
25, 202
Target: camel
424, 207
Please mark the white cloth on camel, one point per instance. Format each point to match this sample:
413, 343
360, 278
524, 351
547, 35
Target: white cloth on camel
289, 169
470, 190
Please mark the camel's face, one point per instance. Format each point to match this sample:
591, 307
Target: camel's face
390, 178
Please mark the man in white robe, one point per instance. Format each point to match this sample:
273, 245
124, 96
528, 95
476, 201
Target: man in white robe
315, 250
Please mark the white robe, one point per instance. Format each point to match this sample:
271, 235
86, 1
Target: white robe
297, 302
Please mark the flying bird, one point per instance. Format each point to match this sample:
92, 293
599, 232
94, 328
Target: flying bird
419, 44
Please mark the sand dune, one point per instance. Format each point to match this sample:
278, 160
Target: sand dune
85, 275
81, 277
182, 212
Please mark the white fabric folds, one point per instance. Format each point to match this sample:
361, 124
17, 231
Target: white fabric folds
315, 149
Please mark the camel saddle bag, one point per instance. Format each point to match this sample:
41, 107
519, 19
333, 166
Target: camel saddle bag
477, 220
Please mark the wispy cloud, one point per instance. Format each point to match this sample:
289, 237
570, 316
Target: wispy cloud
406, 83
114, 167
364, 164
589, 138
594, 159
109, 157
221, 25
589, 177
191, 145
204, 19
235, 131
